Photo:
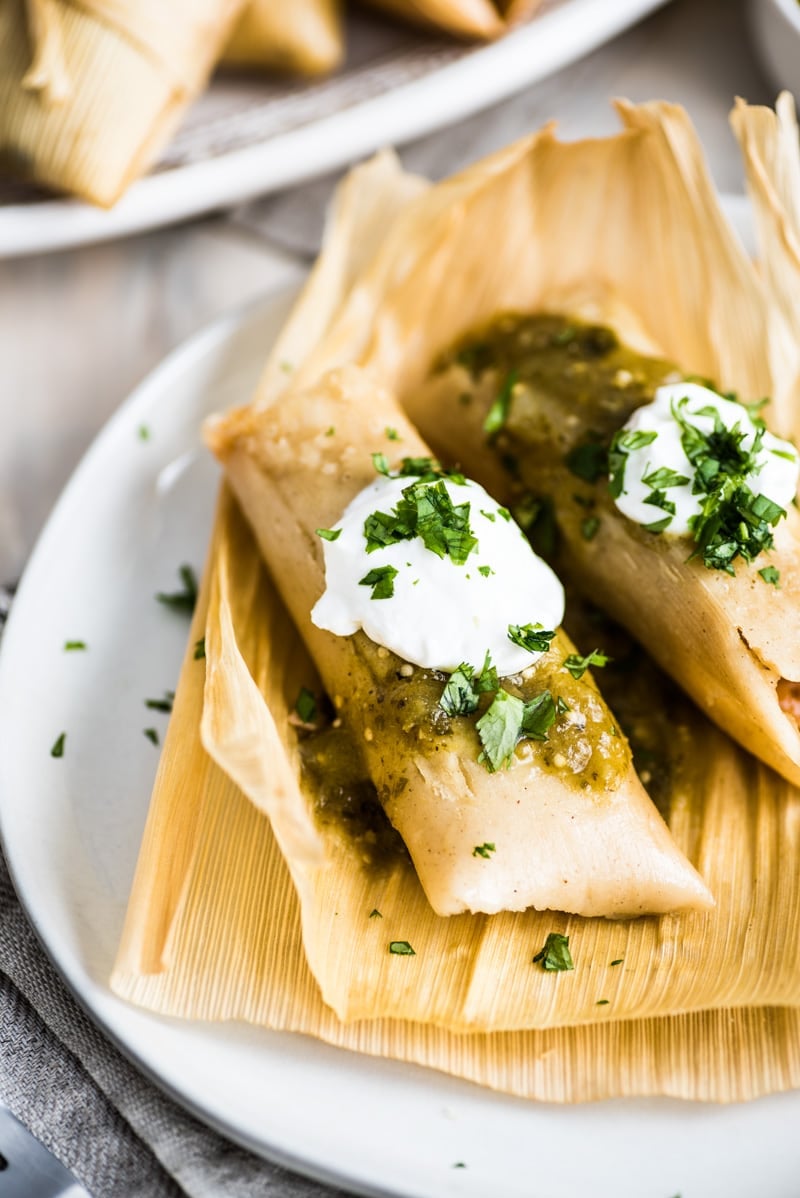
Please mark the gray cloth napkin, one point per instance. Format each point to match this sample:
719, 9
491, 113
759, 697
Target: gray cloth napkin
119, 1135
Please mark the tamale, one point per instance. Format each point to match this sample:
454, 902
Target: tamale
579, 835
735, 647
91, 91
304, 36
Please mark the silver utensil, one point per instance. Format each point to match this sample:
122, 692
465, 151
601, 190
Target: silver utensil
27, 1169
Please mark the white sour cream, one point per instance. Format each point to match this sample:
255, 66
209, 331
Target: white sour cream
776, 465
441, 614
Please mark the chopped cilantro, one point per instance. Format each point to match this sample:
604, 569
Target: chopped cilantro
401, 948
536, 516
381, 579
460, 695
381, 463
589, 527
588, 461
392, 434
58, 748
577, 665
601, 1002
375, 914
509, 720
562, 707
771, 575
624, 442
306, 705
185, 599
538, 717
497, 415
489, 515
151, 734
618, 961
329, 432
504, 514
555, 955
329, 534
499, 729
664, 478
144, 432
483, 850
485, 571
200, 649
164, 704
532, 637
72, 646
425, 510
658, 525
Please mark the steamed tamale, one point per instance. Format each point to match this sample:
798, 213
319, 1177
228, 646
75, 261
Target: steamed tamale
91, 91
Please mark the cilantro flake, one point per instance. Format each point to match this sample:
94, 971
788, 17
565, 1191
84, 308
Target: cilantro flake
74, 646
588, 461
200, 649
151, 734
484, 850
577, 665
329, 534
58, 747
771, 575
497, 415
381, 579
499, 730
532, 637
589, 527
306, 705
555, 956
183, 600
401, 948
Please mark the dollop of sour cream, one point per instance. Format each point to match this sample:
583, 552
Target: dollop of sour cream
440, 613
774, 472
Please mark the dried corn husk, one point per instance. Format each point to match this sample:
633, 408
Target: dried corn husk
91, 91
742, 825
769, 146
304, 36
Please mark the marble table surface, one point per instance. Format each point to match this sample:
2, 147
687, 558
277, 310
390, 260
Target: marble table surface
78, 329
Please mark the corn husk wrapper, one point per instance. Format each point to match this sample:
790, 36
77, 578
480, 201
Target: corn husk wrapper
90, 90
304, 36
769, 144
735, 820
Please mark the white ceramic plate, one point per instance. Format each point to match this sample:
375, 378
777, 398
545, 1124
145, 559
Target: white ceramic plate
134, 510
246, 138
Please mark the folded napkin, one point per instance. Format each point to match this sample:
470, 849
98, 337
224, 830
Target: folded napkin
119, 1135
